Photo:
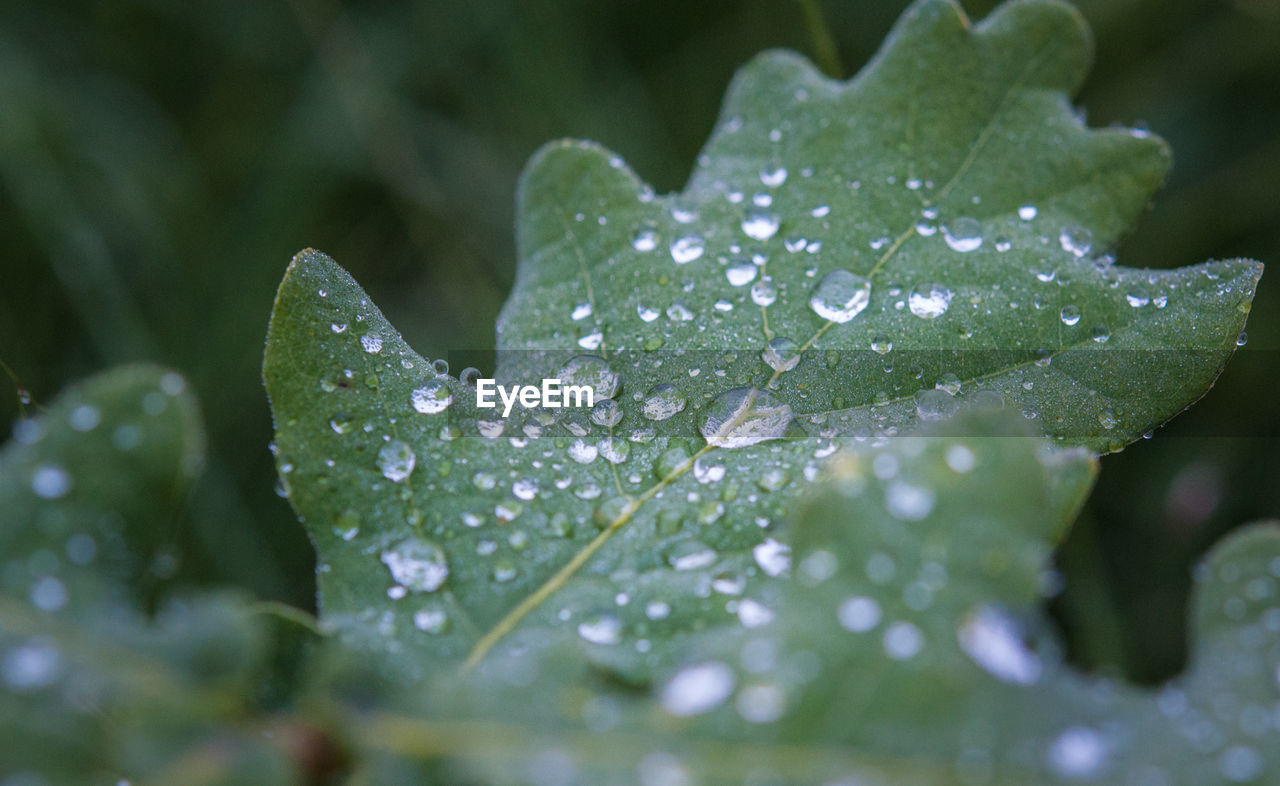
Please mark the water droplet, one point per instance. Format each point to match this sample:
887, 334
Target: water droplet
1240, 764
1100, 333
991, 640
903, 641
753, 614
338, 327
1070, 315
433, 397
606, 629
697, 689
690, 555
686, 249
759, 225
773, 177
646, 240
432, 621
590, 371
581, 311
1138, 297
662, 402
615, 450
782, 354
763, 293
606, 412
1077, 240
741, 273
935, 405
949, 383
583, 452
1078, 752
1027, 212
963, 235
907, 502
591, 339
49, 481
645, 313
929, 301
880, 344
84, 418
525, 489
774, 558
396, 460
371, 342
1242, 339
744, 416
679, 312
840, 296
858, 614
706, 470
960, 458
416, 564
30, 666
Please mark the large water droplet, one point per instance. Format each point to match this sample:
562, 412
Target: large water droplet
435, 396
992, 640
840, 296
744, 416
763, 293
590, 371
606, 629
741, 273
1077, 240
782, 354
416, 564
929, 301
686, 249
759, 225
697, 689
396, 460
662, 401
963, 235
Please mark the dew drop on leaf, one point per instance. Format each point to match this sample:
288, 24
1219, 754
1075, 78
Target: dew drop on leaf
416, 564
396, 460
929, 301
840, 296
744, 416
433, 397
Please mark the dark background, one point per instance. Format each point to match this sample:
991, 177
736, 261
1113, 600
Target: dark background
161, 160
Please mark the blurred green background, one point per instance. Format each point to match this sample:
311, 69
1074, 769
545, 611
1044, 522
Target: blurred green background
160, 161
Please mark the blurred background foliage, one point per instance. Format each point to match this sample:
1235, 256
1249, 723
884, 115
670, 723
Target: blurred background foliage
160, 161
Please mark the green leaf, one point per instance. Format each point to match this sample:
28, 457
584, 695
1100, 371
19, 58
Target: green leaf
91, 690
443, 528
904, 650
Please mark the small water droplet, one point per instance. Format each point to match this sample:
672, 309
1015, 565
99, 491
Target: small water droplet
590, 371
50, 481
1027, 212
646, 240
773, 177
371, 342
1069, 314
774, 558
606, 629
